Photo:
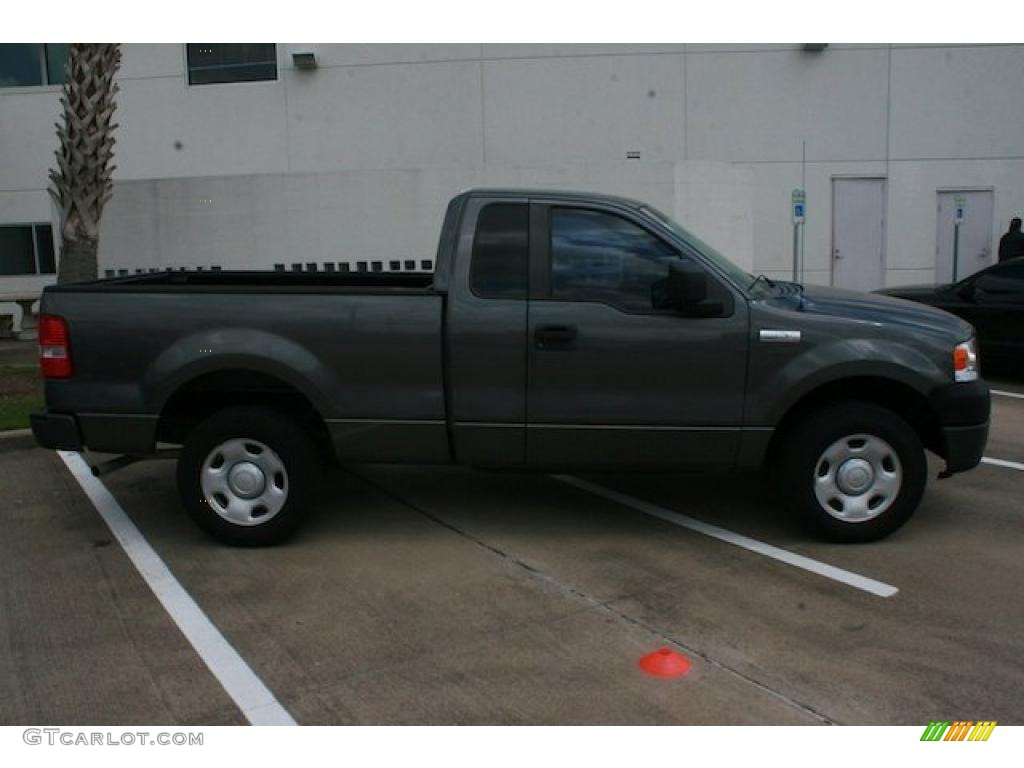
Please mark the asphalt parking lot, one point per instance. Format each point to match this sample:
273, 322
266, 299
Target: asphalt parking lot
436, 595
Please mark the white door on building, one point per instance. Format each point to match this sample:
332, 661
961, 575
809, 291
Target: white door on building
974, 251
858, 234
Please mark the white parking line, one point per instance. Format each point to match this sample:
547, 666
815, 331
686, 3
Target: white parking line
242, 684
1002, 463
790, 558
1004, 393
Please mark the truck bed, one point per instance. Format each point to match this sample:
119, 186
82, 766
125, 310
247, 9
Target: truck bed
365, 351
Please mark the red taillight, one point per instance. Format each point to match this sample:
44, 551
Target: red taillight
54, 347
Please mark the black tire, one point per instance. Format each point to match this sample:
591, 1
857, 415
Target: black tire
804, 471
293, 469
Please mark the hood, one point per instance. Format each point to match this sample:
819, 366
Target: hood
883, 310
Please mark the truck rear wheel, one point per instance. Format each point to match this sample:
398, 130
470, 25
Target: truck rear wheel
246, 475
853, 471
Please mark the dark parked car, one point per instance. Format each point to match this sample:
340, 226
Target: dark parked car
992, 301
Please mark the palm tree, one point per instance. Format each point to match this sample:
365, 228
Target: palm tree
81, 185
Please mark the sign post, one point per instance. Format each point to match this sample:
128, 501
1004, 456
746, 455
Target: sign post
959, 207
799, 213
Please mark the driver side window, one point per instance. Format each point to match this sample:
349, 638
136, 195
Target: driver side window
598, 256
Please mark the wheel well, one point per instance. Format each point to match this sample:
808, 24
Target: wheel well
205, 395
888, 393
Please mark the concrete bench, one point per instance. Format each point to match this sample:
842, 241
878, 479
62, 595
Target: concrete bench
27, 329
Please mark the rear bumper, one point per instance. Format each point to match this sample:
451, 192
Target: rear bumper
56, 430
103, 432
963, 411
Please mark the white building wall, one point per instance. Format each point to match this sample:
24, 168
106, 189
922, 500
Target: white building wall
356, 160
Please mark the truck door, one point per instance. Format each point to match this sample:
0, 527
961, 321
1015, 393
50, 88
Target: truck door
485, 334
612, 380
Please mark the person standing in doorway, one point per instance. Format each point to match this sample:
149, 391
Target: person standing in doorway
1011, 245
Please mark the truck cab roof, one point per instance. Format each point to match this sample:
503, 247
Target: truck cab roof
560, 194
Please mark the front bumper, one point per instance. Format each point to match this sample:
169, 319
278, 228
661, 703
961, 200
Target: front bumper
964, 446
56, 430
963, 411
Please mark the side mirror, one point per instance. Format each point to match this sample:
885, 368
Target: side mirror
685, 290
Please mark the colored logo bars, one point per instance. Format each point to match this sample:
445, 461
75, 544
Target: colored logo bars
961, 730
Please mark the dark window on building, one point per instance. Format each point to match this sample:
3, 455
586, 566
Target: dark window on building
500, 252
279, 267
122, 272
410, 264
360, 266
427, 265
311, 266
343, 266
45, 255
27, 250
296, 266
598, 256
56, 57
394, 266
377, 266
108, 273
328, 266
231, 62
32, 64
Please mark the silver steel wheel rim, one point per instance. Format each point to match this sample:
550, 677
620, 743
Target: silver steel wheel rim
244, 481
857, 478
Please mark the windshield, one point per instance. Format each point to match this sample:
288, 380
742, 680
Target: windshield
741, 278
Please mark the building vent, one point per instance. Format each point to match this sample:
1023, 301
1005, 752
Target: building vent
304, 59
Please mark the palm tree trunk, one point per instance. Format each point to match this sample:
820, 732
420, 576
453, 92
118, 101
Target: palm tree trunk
78, 260
82, 184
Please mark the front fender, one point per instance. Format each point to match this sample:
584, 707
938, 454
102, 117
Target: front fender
779, 377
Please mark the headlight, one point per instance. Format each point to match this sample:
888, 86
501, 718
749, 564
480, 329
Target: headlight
965, 361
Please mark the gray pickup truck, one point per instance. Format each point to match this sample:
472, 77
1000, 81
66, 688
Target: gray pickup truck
559, 332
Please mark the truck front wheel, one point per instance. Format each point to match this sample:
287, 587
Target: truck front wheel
853, 471
246, 475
